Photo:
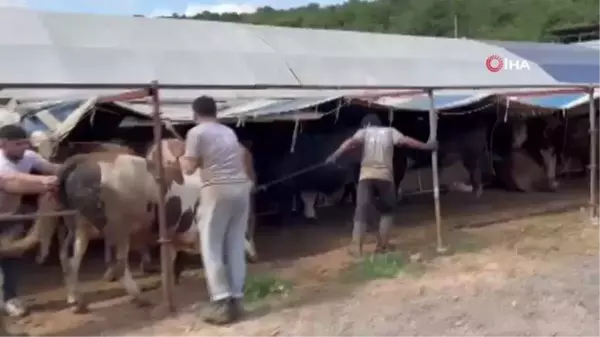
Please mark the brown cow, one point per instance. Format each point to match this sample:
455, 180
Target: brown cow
183, 199
115, 194
62, 154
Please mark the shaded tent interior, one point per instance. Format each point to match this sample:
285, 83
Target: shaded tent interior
115, 121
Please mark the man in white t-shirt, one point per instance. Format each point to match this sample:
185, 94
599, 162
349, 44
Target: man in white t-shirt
17, 160
223, 214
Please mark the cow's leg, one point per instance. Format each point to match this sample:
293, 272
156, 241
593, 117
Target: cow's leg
71, 266
348, 194
308, 202
107, 253
109, 259
140, 242
550, 168
146, 266
178, 262
48, 225
473, 161
122, 267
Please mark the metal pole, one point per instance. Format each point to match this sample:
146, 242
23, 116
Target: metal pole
129, 86
593, 158
29, 216
434, 166
165, 251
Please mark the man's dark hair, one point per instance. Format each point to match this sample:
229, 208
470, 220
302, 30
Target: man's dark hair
370, 119
205, 106
12, 132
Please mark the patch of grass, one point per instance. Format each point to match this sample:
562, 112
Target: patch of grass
259, 287
376, 266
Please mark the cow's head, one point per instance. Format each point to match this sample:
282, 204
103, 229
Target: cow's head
172, 149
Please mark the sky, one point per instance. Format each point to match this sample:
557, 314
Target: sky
155, 7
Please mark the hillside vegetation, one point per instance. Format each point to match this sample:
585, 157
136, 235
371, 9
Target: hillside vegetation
479, 19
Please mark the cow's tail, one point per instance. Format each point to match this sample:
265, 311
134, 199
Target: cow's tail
63, 174
66, 232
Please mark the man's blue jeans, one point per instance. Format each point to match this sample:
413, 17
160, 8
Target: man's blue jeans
9, 268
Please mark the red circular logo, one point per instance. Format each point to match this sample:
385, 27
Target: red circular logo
494, 63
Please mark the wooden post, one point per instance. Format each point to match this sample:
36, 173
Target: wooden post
433, 117
165, 251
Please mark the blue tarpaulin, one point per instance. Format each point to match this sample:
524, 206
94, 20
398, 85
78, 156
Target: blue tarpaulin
442, 101
556, 101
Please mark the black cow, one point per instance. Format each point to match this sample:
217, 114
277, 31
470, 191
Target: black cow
574, 150
309, 154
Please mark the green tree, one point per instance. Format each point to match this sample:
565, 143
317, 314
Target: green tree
477, 19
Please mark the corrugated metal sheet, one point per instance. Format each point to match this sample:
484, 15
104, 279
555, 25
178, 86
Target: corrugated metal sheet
84, 48
265, 109
54, 116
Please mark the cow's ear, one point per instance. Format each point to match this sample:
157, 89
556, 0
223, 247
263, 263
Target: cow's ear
176, 147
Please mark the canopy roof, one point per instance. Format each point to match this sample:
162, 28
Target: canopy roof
85, 48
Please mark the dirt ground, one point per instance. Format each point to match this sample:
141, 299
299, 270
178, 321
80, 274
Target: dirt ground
527, 276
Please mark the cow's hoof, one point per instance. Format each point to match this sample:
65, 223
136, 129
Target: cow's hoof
40, 259
252, 259
141, 303
161, 310
80, 308
149, 269
109, 275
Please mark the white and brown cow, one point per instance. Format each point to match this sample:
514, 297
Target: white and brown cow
532, 161
114, 194
183, 200
51, 224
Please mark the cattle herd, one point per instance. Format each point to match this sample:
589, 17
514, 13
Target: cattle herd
114, 191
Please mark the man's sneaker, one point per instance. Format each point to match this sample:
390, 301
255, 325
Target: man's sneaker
237, 308
15, 308
218, 312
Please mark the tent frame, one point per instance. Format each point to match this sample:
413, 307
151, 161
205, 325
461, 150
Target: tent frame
144, 90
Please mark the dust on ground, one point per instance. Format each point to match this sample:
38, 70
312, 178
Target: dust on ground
534, 276
531, 277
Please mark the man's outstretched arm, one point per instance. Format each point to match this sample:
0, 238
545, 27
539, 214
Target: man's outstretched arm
402, 140
24, 183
